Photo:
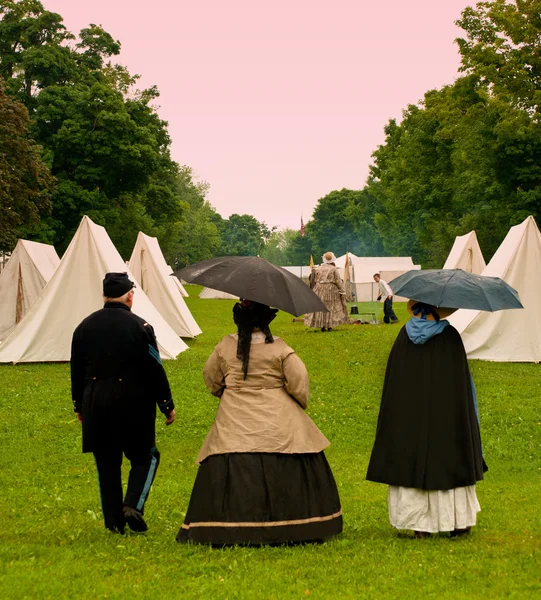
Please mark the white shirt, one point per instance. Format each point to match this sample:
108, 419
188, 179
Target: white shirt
384, 290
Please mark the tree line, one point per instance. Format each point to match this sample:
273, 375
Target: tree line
468, 156
78, 137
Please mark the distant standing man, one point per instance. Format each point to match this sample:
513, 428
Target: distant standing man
385, 292
117, 379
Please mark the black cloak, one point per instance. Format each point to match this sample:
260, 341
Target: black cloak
428, 434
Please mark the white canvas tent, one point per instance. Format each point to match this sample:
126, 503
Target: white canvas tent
366, 266
509, 335
178, 283
27, 272
152, 274
210, 294
466, 254
74, 292
362, 269
302, 271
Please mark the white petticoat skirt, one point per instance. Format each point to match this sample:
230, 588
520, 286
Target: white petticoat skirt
433, 510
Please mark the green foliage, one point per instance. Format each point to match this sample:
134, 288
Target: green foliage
463, 159
195, 235
362, 212
333, 224
33, 52
502, 47
123, 219
199, 238
413, 176
280, 248
103, 140
95, 45
53, 543
299, 248
274, 248
25, 181
344, 220
242, 235
287, 247
467, 157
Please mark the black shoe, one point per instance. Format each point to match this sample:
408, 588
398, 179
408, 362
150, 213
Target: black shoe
458, 532
422, 535
134, 519
119, 530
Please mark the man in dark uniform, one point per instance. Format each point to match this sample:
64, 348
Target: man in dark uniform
117, 379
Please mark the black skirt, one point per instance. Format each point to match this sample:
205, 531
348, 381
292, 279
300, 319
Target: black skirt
262, 498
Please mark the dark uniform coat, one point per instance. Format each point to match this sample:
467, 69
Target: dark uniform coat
117, 379
428, 434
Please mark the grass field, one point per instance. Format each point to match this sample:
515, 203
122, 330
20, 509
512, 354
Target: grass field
52, 540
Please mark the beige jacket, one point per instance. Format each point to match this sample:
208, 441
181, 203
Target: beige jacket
265, 412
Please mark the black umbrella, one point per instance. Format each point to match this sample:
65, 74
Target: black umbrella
255, 279
455, 288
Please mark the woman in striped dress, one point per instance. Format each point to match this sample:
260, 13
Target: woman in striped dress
330, 289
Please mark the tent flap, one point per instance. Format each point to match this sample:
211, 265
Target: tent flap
152, 274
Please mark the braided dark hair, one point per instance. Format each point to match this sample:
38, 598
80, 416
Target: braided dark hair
249, 315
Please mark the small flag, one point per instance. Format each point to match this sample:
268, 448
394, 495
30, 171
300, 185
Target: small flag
302, 227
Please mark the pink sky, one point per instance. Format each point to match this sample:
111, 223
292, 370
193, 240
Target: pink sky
276, 104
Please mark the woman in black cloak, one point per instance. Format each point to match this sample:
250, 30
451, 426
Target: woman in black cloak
428, 446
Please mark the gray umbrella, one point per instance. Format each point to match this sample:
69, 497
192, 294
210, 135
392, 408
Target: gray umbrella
455, 288
255, 279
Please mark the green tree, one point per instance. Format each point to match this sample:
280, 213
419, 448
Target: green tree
243, 235
279, 247
362, 212
502, 48
104, 141
410, 180
331, 227
274, 249
25, 181
461, 160
469, 155
33, 49
95, 46
197, 235
299, 248
103, 154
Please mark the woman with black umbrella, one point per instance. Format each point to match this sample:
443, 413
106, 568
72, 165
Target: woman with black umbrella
263, 476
